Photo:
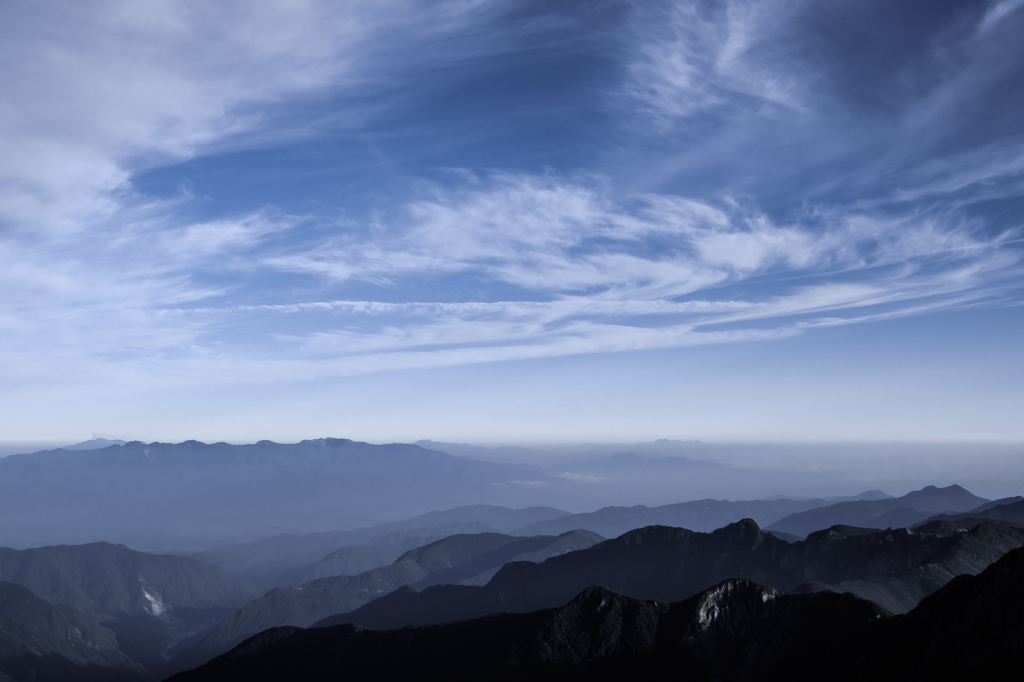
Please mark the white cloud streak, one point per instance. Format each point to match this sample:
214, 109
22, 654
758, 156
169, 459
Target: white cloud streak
997, 13
605, 277
98, 89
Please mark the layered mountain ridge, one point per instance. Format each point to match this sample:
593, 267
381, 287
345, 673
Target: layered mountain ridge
453, 565
458, 558
895, 512
895, 568
735, 630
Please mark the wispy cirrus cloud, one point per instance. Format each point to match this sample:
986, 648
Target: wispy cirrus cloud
547, 234
101, 89
101, 280
997, 12
594, 275
554, 236
597, 276
694, 58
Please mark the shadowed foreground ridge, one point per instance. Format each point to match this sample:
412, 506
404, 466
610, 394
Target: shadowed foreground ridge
893, 568
972, 628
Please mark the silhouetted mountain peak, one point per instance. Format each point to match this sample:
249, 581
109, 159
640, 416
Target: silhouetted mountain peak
933, 498
741, 527
744, 535
651, 535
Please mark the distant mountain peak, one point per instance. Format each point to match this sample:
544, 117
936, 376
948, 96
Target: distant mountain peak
676, 441
327, 442
94, 444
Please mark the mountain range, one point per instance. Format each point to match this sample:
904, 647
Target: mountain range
151, 614
735, 630
190, 497
894, 512
197, 495
151, 607
699, 515
469, 559
895, 568
289, 559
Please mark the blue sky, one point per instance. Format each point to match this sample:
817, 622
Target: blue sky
512, 221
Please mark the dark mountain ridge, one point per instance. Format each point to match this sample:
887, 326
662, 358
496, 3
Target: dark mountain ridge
895, 567
736, 630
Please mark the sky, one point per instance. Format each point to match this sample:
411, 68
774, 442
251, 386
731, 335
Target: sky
512, 221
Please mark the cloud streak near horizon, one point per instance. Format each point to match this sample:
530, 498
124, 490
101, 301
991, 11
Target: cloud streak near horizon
269, 191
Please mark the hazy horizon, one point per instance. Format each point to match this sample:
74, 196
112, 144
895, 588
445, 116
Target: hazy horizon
794, 470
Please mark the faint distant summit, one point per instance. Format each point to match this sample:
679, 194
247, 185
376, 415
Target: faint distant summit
94, 444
